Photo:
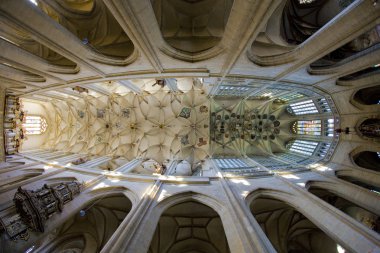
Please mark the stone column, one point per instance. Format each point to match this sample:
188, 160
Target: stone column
361, 60
32, 63
127, 230
251, 233
348, 233
356, 194
366, 176
357, 18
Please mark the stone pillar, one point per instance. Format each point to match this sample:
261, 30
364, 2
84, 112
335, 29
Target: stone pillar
357, 18
366, 176
33, 63
356, 194
251, 234
348, 233
127, 230
368, 57
51, 34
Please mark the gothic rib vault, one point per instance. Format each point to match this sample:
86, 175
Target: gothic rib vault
189, 126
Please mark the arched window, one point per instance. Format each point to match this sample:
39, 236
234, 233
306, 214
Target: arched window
302, 147
307, 127
304, 107
34, 125
314, 127
234, 90
235, 166
310, 106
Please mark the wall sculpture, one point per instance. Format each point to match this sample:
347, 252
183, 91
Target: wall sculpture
35, 207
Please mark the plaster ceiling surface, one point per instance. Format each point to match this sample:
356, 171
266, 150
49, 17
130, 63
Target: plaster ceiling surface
157, 124
246, 127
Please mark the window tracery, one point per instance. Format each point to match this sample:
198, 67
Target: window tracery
329, 127
232, 163
314, 127
291, 158
323, 105
323, 148
303, 107
236, 166
302, 147
231, 90
267, 93
35, 125
307, 127
291, 96
309, 106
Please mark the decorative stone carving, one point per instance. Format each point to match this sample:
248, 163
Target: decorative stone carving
185, 112
34, 208
80, 161
15, 227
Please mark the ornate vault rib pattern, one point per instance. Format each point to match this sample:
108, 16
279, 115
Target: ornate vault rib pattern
160, 125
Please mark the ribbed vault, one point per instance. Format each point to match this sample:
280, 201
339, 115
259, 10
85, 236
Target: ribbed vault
155, 124
189, 227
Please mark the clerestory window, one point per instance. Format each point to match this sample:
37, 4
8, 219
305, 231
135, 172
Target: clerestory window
34, 125
307, 127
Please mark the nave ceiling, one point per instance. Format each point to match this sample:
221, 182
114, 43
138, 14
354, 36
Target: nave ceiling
194, 125
160, 124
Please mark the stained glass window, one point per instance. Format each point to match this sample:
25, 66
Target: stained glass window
329, 127
34, 125
307, 127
